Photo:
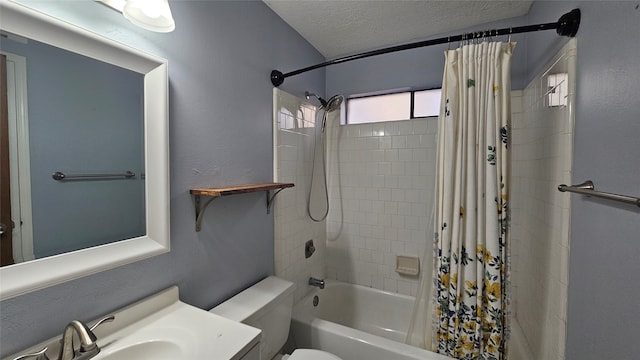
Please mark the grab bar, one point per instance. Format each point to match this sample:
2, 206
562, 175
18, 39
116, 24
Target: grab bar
62, 176
587, 188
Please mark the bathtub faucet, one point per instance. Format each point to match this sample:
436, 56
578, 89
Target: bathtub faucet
316, 282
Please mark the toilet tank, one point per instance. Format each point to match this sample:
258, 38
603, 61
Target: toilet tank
267, 306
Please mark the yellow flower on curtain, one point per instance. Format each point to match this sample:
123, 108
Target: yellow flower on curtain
493, 289
487, 255
491, 348
471, 285
496, 339
466, 344
470, 326
445, 280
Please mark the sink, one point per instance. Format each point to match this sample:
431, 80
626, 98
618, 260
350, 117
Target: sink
154, 349
176, 331
162, 327
152, 340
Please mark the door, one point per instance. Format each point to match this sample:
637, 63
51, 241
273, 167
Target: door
6, 241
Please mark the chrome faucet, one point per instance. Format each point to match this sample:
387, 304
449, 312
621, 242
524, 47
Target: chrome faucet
88, 347
316, 282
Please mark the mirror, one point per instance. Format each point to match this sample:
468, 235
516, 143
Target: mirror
147, 232
76, 159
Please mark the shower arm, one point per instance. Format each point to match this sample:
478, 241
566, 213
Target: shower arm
567, 25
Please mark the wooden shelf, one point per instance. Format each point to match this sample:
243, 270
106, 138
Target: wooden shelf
240, 189
215, 193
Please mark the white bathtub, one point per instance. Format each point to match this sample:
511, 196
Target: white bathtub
356, 322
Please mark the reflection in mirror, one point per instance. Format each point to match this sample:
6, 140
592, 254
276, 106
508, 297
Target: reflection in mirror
132, 136
85, 117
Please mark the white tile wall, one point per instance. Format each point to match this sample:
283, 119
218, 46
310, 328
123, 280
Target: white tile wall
294, 122
542, 155
381, 191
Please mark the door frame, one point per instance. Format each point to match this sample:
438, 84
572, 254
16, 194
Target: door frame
19, 157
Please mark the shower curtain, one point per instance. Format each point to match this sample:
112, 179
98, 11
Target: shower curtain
469, 287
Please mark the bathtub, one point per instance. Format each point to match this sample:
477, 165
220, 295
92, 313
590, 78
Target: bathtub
356, 322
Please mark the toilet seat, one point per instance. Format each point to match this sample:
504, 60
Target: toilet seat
311, 354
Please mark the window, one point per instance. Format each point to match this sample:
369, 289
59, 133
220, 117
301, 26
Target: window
426, 103
558, 86
393, 107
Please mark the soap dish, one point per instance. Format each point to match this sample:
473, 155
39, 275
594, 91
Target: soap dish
407, 265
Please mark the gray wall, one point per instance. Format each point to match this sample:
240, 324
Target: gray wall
604, 286
220, 57
94, 126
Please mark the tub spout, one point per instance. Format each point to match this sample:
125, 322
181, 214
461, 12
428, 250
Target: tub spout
316, 282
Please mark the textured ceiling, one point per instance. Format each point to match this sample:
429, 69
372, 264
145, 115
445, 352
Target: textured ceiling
349, 26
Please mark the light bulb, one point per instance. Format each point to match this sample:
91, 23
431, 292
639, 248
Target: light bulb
154, 15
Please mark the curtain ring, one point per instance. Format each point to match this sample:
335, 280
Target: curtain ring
448, 43
510, 32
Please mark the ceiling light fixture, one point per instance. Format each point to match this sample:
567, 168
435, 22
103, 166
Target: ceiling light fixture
153, 15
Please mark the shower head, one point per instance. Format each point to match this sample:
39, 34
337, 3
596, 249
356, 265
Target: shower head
308, 96
334, 103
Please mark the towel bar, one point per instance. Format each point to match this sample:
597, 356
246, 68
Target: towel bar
587, 188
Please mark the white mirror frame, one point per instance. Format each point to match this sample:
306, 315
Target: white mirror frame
37, 274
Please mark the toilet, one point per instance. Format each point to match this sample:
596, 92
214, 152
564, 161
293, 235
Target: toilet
267, 306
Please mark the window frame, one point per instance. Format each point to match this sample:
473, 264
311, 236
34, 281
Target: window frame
389, 92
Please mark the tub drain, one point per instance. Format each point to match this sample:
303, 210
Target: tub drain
316, 300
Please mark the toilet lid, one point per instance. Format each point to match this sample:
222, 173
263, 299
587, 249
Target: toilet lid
310, 354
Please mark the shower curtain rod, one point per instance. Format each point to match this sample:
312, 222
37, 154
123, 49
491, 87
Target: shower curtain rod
567, 25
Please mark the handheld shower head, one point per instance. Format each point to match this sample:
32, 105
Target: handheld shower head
334, 102
309, 95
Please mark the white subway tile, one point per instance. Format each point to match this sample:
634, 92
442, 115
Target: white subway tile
405, 155
397, 168
414, 141
385, 142
399, 142
405, 127
419, 126
391, 155
391, 128
384, 193
390, 285
397, 194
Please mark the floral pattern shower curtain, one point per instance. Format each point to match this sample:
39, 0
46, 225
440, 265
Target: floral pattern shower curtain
471, 241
